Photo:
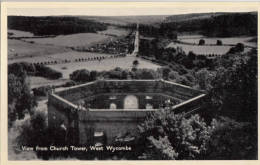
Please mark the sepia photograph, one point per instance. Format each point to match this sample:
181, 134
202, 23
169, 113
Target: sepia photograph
132, 82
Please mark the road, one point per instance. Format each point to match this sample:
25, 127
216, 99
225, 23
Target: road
136, 44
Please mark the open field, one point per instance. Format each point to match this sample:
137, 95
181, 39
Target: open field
73, 40
19, 33
108, 64
114, 31
70, 55
230, 40
18, 49
201, 49
41, 81
124, 20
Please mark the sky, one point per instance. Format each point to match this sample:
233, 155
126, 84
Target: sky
123, 10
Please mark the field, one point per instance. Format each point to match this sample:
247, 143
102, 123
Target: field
18, 49
59, 57
220, 50
114, 31
124, 20
19, 33
82, 39
73, 40
108, 64
194, 39
41, 81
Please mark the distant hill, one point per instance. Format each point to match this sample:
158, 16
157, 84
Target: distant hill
124, 20
214, 24
209, 24
54, 25
188, 17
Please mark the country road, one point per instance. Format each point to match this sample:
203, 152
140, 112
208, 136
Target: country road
136, 44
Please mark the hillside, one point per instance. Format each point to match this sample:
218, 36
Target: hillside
189, 17
58, 25
214, 24
124, 20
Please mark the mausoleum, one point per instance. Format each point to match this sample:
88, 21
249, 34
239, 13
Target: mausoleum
112, 107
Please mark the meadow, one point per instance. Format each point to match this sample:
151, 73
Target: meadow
114, 31
73, 40
124, 62
36, 82
81, 39
220, 50
194, 39
18, 49
19, 33
59, 57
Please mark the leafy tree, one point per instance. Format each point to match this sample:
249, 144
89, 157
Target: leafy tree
54, 25
165, 73
20, 100
219, 42
204, 79
166, 135
237, 49
201, 42
135, 62
234, 90
231, 140
173, 75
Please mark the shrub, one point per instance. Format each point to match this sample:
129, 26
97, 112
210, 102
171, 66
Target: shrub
42, 91
47, 72
166, 135
219, 42
201, 42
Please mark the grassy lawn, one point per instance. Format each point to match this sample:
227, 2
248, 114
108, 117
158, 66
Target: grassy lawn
108, 64
71, 55
112, 30
19, 49
19, 33
201, 49
230, 40
73, 40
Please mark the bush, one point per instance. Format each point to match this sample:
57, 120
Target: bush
173, 75
201, 42
166, 135
42, 91
231, 140
238, 48
47, 72
219, 42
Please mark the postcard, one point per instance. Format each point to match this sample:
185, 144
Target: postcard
129, 82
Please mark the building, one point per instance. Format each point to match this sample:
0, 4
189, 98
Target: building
113, 107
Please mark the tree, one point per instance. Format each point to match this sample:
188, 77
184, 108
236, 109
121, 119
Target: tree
238, 48
20, 100
135, 64
234, 91
201, 42
165, 73
173, 75
219, 42
204, 78
231, 140
166, 135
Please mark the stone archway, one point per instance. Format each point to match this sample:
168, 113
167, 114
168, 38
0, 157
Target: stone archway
131, 102
112, 106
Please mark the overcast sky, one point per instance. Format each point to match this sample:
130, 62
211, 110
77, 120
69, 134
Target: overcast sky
123, 10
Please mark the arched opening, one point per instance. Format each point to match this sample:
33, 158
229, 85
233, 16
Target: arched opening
148, 106
131, 102
112, 106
